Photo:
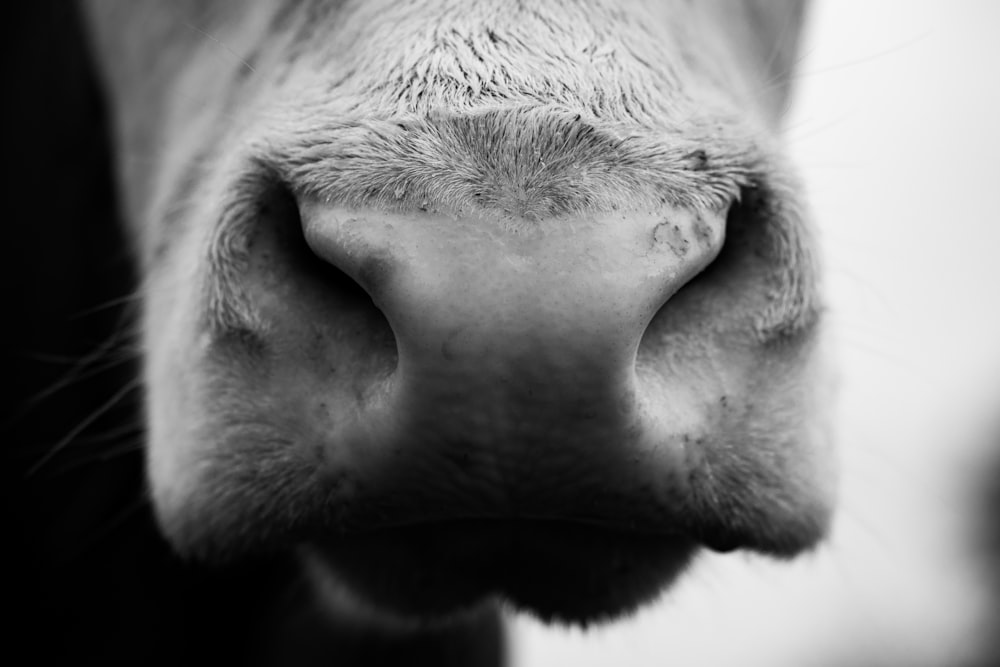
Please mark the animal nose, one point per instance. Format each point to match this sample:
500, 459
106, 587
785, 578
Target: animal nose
554, 306
516, 347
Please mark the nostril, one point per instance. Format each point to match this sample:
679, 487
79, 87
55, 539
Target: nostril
359, 250
761, 282
269, 285
280, 208
743, 232
737, 236
683, 310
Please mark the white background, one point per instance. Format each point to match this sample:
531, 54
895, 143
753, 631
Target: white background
897, 131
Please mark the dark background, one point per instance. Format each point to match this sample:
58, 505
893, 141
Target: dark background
78, 539
88, 580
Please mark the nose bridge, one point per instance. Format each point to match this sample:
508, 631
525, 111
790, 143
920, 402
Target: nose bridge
493, 292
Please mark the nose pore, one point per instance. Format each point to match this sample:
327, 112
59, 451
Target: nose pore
566, 299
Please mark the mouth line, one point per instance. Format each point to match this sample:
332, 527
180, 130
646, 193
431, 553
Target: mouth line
517, 523
581, 522
511, 534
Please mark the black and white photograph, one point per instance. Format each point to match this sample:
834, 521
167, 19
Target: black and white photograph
502, 333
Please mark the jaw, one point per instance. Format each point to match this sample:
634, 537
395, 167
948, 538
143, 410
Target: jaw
558, 571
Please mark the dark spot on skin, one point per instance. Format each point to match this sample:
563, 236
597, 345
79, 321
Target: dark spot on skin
690, 440
702, 231
673, 236
697, 160
660, 233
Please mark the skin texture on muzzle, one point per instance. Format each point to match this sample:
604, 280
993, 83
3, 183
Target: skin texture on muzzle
448, 297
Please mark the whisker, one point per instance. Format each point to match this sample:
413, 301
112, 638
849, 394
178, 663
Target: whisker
137, 444
813, 132
215, 40
73, 459
899, 362
124, 300
132, 443
84, 368
111, 435
75, 431
847, 64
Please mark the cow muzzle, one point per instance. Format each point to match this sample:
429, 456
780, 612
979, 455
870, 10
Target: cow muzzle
441, 407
